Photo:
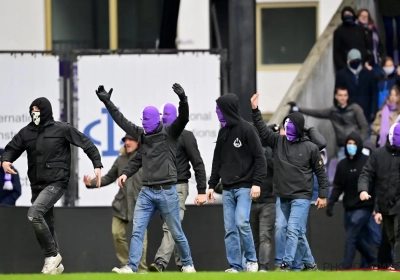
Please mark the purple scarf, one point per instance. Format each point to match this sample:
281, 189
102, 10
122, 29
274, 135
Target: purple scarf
385, 122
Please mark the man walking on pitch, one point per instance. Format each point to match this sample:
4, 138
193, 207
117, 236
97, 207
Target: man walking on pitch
239, 161
157, 158
187, 152
47, 144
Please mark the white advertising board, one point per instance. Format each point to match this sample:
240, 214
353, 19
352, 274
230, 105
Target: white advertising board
24, 78
139, 81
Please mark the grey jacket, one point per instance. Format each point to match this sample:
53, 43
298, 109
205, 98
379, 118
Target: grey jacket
344, 121
125, 200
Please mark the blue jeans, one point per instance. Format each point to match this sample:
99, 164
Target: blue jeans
237, 206
356, 223
166, 201
297, 247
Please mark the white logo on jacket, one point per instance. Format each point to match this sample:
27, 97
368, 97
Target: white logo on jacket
237, 143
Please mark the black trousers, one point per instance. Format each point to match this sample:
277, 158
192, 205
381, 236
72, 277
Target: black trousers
41, 216
262, 222
391, 225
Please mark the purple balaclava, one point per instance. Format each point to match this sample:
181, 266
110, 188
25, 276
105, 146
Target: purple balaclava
150, 119
169, 114
290, 129
220, 116
394, 135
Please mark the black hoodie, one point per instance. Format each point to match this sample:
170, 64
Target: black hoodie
48, 147
347, 37
238, 155
294, 162
346, 178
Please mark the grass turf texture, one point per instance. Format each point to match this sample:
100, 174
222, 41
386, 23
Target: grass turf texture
351, 275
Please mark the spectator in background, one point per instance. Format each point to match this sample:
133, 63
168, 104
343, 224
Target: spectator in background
364, 20
124, 202
387, 115
387, 78
10, 186
390, 11
345, 117
349, 36
357, 212
360, 83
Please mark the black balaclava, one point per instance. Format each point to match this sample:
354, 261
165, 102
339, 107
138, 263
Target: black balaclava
46, 111
347, 19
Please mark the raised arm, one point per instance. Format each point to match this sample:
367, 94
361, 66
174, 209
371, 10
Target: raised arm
118, 117
176, 128
316, 137
268, 136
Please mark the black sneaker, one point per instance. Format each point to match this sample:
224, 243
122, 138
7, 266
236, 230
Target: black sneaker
156, 267
308, 267
284, 267
179, 268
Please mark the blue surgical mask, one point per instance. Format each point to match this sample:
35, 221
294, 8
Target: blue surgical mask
351, 149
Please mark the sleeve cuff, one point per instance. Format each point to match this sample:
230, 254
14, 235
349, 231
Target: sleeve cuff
323, 193
97, 164
257, 183
201, 191
254, 110
211, 187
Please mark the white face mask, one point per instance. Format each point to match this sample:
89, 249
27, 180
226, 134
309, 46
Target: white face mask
366, 152
35, 117
388, 70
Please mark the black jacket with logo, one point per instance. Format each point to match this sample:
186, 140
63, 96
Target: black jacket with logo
294, 162
346, 178
48, 147
382, 172
238, 155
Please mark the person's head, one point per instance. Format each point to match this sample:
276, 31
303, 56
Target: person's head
227, 109
294, 126
150, 119
364, 17
369, 147
394, 96
131, 144
41, 111
394, 135
388, 65
169, 114
354, 145
348, 15
342, 96
354, 60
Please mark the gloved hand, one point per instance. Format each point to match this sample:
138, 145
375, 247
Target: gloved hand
274, 127
329, 209
103, 95
218, 189
180, 92
293, 106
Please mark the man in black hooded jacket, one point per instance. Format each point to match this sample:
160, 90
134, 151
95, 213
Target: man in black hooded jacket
357, 212
239, 161
295, 160
47, 144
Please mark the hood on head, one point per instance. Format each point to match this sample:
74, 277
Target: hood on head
369, 145
46, 111
359, 142
229, 106
348, 9
298, 120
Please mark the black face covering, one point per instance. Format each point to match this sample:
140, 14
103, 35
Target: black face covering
354, 64
348, 19
46, 111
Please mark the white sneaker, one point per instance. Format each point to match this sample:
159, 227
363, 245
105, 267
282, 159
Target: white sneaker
188, 269
58, 270
123, 270
231, 270
252, 267
262, 270
51, 263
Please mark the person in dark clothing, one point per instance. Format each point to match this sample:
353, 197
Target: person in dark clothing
157, 158
382, 170
263, 212
387, 78
360, 83
239, 161
295, 160
390, 11
349, 36
10, 186
357, 212
187, 152
48, 145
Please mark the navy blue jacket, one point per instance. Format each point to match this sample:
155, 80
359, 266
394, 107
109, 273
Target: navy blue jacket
9, 197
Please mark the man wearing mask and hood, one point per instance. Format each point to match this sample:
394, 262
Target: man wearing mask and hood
239, 161
360, 83
48, 146
382, 170
357, 212
125, 200
349, 36
187, 154
157, 158
295, 160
